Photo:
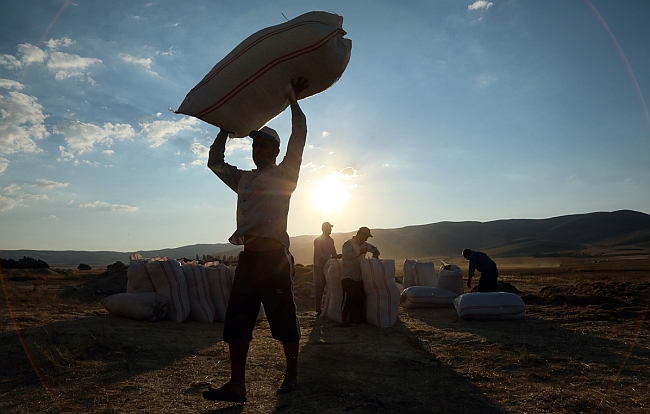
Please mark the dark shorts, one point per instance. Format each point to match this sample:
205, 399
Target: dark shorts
353, 294
262, 278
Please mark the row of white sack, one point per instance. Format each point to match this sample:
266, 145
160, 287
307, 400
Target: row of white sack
417, 273
183, 290
383, 294
475, 305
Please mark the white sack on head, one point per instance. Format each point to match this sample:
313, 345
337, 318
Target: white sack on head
250, 86
138, 280
168, 279
146, 306
427, 297
198, 290
334, 292
450, 277
220, 282
382, 294
490, 305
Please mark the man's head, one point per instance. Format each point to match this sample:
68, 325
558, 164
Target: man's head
327, 228
363, 233
467, 253
266, 146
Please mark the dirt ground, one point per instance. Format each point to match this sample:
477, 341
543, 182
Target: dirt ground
583, 347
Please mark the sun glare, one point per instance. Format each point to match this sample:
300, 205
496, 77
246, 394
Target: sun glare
330, 195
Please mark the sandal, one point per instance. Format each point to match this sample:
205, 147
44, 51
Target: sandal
222, 394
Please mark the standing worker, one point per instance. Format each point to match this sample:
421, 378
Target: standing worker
354, 251
264, 274
324, 250
489, 272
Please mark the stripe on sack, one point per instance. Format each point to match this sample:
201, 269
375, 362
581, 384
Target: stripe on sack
374, 283
197, 285
262, 71
247, 48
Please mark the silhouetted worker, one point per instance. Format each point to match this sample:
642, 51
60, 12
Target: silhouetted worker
264, 274
324, 250
489, 272
354, 250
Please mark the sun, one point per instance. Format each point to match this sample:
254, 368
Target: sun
329, 195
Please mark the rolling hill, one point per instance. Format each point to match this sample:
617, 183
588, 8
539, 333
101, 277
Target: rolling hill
571, 234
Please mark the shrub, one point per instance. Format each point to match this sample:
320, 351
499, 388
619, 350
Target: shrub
115, 267
83, 266
24, 263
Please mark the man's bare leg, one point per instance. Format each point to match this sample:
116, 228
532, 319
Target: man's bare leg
291, 350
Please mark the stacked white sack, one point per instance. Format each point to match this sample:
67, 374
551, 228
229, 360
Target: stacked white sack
334, 291
450, 277
198, 290
407, 273
138, 280
220, 283
423, 274
169, 280
249, 86
490, 305
427, 297
382, 293
147, 306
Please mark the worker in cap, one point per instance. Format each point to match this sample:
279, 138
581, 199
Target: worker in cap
354, 251
324, 250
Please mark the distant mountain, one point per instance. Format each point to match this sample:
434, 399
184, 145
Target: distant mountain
500, 238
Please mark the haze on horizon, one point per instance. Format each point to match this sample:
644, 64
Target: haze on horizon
448, 111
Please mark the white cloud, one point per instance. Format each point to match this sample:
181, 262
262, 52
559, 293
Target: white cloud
9, 203
238, 144
144, 63
324, 133
484, 80
4, 163
66, 65
200, 151
10, 62
108, 152
158, 132
65, 154
82, 137
103, 205
10, 84
11, 189
480, 4
31, 54
47, 184
24, 122
55, 44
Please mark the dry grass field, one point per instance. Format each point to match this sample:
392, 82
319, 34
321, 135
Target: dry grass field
583, 347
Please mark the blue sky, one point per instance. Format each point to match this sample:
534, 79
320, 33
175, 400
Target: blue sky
447, 111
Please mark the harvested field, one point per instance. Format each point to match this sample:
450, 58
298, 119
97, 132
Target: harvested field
583, 347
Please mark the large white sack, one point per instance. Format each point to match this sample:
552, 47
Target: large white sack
421, 274
168, 279
490, 305
427, 297
138, 280
382, 293
407, 273
198, 290
334, 292
147, 306
450, 277
220, 283
250, 86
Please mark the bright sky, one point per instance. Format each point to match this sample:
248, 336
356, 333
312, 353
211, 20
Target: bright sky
449, 110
